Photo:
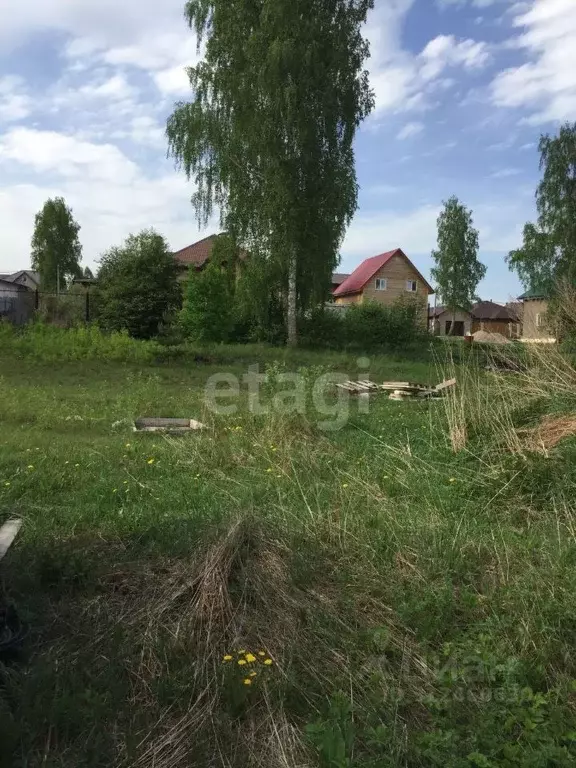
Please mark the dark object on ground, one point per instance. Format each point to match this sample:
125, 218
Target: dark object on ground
505, 365
12, 630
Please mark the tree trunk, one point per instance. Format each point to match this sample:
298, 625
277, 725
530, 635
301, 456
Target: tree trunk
291, 308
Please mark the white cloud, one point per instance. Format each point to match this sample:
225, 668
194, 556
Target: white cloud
107, 209
107, 23
15, 104
505, 173
446, 51
546, 84
173, 81
403, 81
62, 155
410, 129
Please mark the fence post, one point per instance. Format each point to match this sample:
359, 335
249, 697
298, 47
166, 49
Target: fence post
87, 311
36, 299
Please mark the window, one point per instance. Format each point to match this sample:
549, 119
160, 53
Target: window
411, 286
381, 283
540, 320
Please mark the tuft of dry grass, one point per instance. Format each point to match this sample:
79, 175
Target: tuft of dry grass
548, 434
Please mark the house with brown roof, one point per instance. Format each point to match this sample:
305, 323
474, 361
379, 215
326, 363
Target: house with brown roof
484, 316
496, 318
196, 255
199, 254
385, 279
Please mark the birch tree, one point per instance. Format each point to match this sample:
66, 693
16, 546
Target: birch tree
268, 134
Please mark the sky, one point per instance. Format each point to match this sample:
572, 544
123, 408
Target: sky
464, 89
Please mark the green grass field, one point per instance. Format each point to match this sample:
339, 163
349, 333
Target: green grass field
417, 604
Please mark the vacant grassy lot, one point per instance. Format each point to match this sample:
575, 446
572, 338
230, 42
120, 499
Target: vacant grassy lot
417, 603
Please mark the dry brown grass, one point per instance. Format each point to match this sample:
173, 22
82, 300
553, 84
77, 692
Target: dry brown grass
548, 434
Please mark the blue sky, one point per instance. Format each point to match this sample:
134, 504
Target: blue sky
464, 88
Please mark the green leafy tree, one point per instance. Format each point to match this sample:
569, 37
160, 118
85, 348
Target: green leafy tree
268, 137
207, 314
548, 252
458, 270
56, 249
88, 274
138, 285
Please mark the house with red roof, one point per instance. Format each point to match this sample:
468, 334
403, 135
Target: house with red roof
196, 255
385, 279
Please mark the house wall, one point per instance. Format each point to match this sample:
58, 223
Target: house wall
505, 328
353, 298
530, 329
397, 271
460, 316
9, 290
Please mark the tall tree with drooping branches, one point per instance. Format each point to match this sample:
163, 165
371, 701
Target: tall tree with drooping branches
268, 136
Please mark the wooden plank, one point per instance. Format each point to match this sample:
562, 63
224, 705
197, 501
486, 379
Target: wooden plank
8, 533
445, 385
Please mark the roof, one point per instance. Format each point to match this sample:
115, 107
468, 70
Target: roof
534, 293
437, 311
488, 310
13, 276
338, 278
197, 253
10, 284
362, 274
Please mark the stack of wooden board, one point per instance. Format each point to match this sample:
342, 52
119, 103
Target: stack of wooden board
399, 390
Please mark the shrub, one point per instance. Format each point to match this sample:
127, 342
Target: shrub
49, 343
137, 285
371, 325
65, 310
324, 327
207, 312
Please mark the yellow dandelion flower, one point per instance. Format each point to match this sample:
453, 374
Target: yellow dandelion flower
247, 681
7, 484
76, 465
452, 480
253, 674
344, 485
128, 445
66, 462
261, 653
125, 482
30, 466
268, 662
268, 470
151, 461
250, 658
227, 657
242, 662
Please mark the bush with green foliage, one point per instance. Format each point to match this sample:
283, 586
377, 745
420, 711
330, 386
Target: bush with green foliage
371, 325
49, 343
324, 327
138, 285
207, 314
366, 326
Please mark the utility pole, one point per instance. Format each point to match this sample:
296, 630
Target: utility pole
58, 279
